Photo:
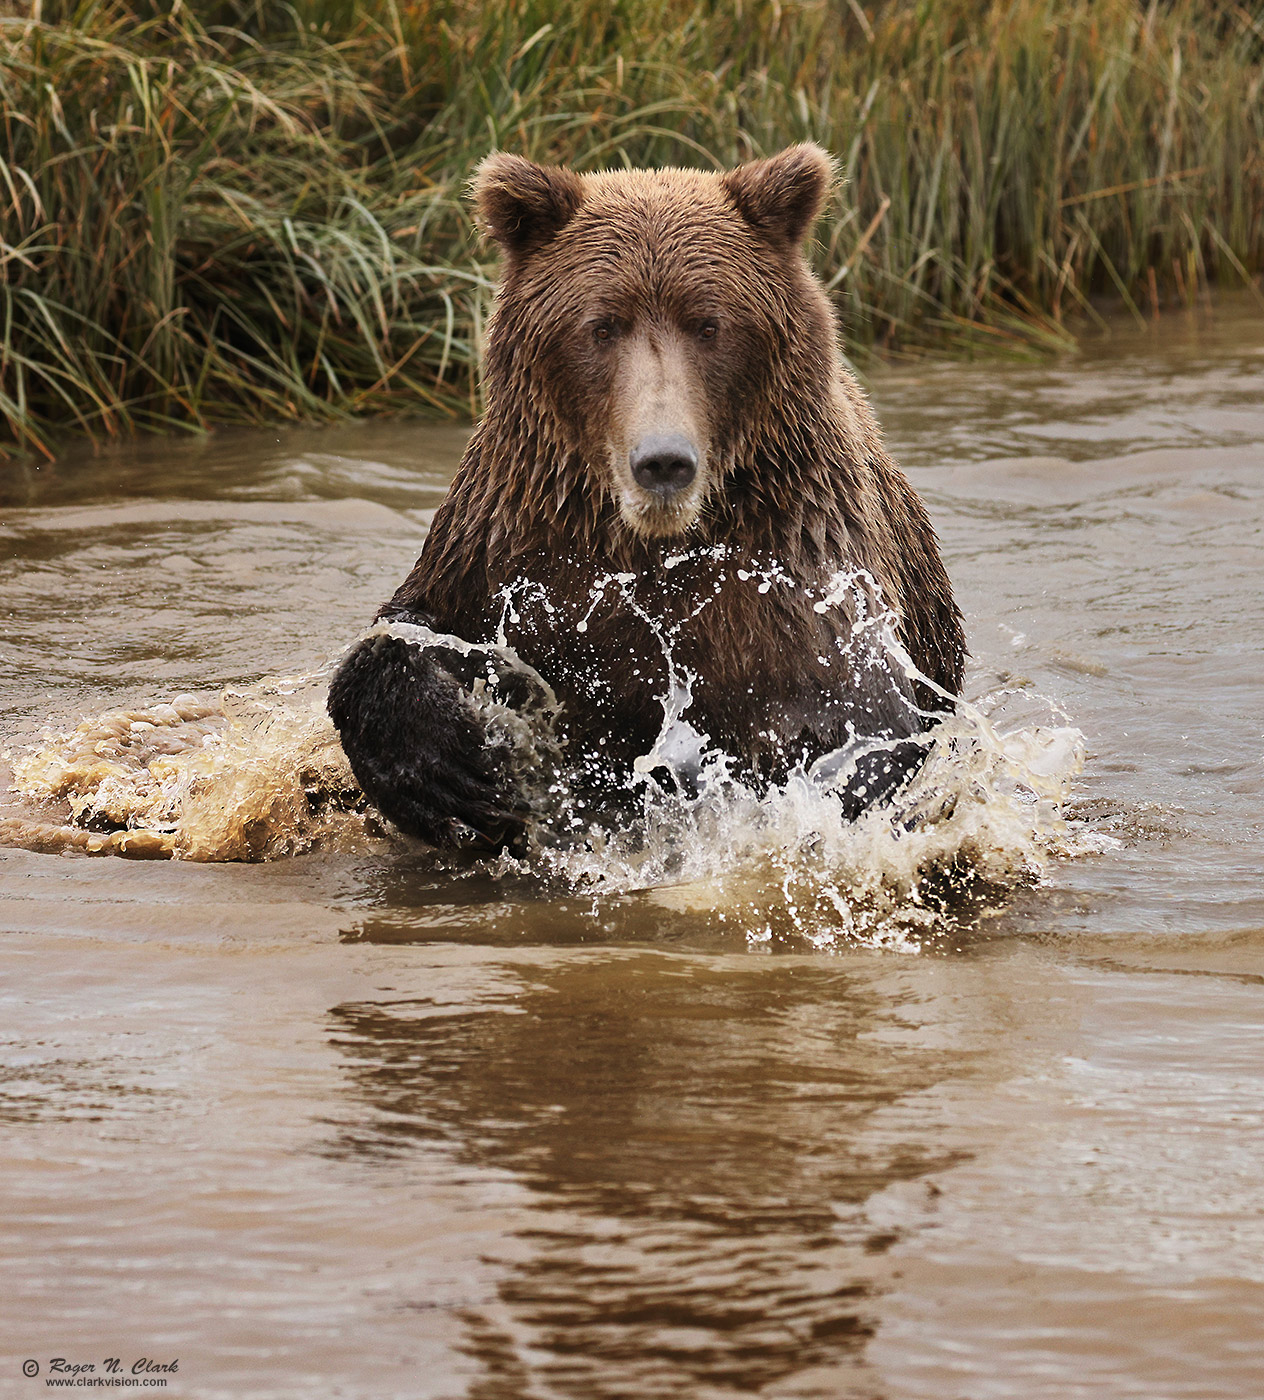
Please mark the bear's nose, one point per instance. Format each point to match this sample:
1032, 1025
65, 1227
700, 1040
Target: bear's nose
664, 463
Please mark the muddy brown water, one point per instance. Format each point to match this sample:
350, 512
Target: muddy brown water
349, 1123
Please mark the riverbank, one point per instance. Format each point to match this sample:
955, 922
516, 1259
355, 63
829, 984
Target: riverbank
247, 213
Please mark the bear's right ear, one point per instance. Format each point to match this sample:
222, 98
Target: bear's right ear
521, 204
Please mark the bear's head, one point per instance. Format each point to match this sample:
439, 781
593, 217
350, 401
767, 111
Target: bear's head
658, 327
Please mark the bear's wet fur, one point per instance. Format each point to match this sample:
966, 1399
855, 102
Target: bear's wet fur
671, 449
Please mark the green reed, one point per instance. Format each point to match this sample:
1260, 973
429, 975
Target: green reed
250, 210
195, 230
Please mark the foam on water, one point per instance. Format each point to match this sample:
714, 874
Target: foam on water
258, 774
252, 775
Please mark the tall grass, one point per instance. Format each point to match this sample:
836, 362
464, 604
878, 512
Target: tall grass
194, 230
247, 209
1004, 163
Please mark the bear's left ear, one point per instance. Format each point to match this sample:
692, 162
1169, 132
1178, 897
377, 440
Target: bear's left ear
521, 204
781, 196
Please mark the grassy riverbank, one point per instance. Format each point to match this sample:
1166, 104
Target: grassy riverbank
240, 212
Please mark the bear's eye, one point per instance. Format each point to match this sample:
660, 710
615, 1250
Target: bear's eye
708, 330
603, 332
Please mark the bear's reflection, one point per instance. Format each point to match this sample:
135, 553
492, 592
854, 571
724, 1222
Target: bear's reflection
698, 1135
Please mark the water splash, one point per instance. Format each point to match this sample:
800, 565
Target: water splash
258, 774
983, 815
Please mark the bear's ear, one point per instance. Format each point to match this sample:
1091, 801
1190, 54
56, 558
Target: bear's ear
779, 197
521, 204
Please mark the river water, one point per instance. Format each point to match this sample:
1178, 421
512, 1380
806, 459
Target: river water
358, 1122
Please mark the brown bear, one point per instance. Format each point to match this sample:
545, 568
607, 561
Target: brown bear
677, 498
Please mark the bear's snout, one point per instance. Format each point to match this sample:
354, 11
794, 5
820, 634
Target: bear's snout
664, 463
